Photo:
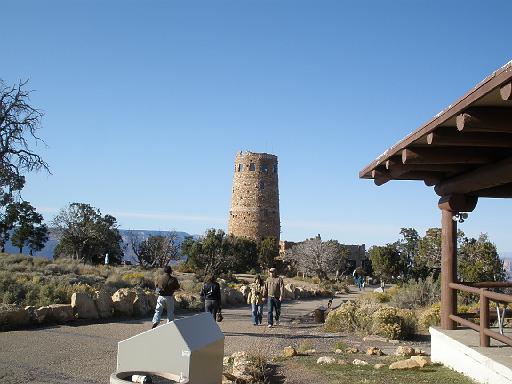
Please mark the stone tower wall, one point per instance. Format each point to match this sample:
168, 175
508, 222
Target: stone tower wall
254, 209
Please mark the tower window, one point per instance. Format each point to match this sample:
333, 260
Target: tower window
264, 168
252, 167
275, 168
240, 167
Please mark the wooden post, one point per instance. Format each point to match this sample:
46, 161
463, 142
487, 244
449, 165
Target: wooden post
485, 341
448, 269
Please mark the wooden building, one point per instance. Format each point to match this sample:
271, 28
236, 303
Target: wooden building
465, 154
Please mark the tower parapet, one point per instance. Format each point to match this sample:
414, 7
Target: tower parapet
254, 211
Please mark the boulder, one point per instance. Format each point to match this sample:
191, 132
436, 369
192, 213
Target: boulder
230, 296
374, 351
338, 351
140, 304
289, 291
326, 360
352, 350
404, 364
31, 310
104, 303
405, 350
421, 360
359, 362
379, 366
289, 352
244, 290
61, 313
43, 314
84, 306
152, 298
12, 316
123, 301
310, 351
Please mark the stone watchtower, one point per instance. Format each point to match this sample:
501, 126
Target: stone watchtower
254, 209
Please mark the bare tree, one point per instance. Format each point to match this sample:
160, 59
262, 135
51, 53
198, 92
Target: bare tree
19, 123
156, 250
317, 257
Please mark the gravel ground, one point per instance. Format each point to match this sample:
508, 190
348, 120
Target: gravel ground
86, 353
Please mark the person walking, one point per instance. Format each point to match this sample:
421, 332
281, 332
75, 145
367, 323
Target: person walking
255, 298
166, 285
274, 292
210, 293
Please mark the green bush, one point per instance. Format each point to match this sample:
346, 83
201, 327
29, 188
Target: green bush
414, 294
430, 316
366, 316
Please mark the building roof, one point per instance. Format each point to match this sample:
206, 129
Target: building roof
464, 149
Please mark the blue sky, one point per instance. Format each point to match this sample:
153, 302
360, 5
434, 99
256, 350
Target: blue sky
147, 103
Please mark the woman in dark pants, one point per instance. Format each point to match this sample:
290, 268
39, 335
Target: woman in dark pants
211, 296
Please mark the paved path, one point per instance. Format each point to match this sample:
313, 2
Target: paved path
87, 353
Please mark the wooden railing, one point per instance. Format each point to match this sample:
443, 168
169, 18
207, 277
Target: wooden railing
482, 289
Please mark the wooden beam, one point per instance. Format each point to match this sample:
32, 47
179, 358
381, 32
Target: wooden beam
501, 192
506, 91
447, 169
457, 203
485, 119
447, 156
484, 177
380, 178
470, 139
448, 269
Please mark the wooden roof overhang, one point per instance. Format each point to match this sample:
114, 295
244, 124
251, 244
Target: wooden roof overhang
464, 150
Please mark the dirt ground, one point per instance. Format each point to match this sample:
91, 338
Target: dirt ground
86, 353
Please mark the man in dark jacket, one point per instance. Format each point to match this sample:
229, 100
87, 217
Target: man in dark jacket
211, 296
166, 285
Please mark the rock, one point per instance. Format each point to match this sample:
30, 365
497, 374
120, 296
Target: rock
244, 290
378, 290
310, 351
83, 306
326, 360
351, 350
12, 316
31, 310
379, 366
338, 351
290, 291
404, 350
421, 360
404, 364
140, 304
289, 352
152, 298
374, 351
61, 313
359, 362
123, 301
104, 303
375, 338
43, 314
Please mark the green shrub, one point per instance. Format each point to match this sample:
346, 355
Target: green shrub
414, 294
430, 316
366, 316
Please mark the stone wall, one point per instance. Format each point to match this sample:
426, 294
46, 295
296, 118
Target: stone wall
254, 211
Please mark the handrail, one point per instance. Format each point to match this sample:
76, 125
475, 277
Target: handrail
481, 289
